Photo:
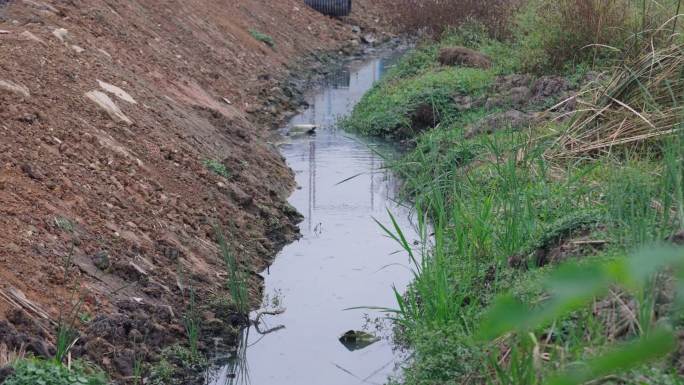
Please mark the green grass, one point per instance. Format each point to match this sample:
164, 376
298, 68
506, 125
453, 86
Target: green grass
492, 199
499, 204
262, 37
387, 108
217, 167
171, 368
237, 281
192, 323
40, 372
418, 80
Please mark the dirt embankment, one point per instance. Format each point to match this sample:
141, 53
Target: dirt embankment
127, 132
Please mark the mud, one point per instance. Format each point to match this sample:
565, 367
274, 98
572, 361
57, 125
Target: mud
110, 208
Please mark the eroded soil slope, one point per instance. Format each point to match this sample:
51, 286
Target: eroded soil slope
125, 136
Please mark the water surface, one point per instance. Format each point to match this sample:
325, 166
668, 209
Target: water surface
343, 259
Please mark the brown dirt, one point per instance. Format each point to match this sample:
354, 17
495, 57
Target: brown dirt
465, 57
118, 209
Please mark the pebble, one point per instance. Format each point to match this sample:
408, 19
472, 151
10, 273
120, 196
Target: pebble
15, 88
60, 33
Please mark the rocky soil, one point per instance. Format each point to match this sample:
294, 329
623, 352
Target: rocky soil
130, 130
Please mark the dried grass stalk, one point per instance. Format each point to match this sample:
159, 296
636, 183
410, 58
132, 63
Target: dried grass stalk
642, 101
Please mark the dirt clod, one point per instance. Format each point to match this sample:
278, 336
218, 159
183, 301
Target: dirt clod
465, 57
512, 119
5, 371
678, 238
101, 260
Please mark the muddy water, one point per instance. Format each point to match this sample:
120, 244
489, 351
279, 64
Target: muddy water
342, 261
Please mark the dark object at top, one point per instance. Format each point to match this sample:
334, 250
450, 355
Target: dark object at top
331, 7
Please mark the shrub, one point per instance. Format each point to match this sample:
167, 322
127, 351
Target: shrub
439, 15
553, 34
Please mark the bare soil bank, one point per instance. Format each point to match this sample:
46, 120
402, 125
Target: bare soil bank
106, 196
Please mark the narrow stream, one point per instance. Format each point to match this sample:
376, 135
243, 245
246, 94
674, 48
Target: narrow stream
343, 260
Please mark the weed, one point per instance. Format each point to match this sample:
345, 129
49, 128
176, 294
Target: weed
192, 324
9, 357
262, 37
217, 167
237, 282
64, 224
85, 317
161, 373
50, 373
66, 338
138, 370
438, 15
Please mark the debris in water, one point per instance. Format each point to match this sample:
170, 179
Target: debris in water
308, 129
357, 340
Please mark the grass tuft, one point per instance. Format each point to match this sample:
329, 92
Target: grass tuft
262, 37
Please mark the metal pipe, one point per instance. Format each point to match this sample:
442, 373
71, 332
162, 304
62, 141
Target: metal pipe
335, 8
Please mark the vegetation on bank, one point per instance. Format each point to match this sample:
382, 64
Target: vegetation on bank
27, 370
547, 250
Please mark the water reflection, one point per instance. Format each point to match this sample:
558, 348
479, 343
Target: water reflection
342, 261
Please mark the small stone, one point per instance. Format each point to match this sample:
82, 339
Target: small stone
60, 33
356, 29
32, 172
29, 118
15, 88
77, 48
369, 39
101, 260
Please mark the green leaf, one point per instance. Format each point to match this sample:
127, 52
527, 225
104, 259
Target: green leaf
628, 356
505, 315
652, 259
